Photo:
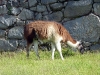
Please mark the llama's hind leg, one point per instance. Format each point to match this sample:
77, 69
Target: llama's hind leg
36, 48
28, 48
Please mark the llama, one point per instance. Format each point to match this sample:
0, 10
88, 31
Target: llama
48, 31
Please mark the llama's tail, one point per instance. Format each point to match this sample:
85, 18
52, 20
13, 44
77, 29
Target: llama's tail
25, 32
29, 33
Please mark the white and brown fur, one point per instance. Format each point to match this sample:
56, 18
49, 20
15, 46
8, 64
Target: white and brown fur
48, 31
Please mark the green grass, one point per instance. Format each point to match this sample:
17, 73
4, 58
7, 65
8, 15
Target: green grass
74, 64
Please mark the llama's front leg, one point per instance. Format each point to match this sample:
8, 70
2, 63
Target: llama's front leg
36, 48
58, 46
53, 50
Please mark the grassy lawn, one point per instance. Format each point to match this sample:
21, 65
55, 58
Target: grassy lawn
74, 64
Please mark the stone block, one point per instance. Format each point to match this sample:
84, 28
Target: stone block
16, 33
20, 22
41, 8
7, 21
26, 14
22, 44
48, 1
38, 16
77, 8
15, 11
3, 9
96, 0
6, 46
95, 47
32, 3
96, 9
85, 28
2, 33
56, 6
14, 42
56, 16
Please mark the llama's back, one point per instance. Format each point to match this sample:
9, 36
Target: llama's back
44, 30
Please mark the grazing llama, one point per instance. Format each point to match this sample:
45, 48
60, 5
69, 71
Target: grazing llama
49, 31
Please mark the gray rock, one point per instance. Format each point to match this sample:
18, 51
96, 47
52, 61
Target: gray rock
38, 17
48, 8
24, 3
9, 5
16, 33
6, 46
87, 43
14, 3
85, 28
32, 3
99, 41
39, 1
3, 2
33, 9
2, 33
45, 13
62, 0
13, 42
96, 9
7, 21
22, 43
66, 19
96, 0
20, 22
56, 6
26, 14
56, 16
48, 1
28, 21
41, 8
95, 47
15, 11
3, 9
65, 3
78, 8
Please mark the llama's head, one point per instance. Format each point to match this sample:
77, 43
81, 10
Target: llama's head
80, 46
77, 45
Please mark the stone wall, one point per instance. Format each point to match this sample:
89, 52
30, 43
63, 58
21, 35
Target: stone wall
80, 17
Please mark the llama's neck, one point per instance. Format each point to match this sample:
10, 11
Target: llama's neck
71, 42
74, 45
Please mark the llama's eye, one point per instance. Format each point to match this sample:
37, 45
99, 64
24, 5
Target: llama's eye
80, 44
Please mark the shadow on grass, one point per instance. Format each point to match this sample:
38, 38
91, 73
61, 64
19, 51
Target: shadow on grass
68, 52
45, 55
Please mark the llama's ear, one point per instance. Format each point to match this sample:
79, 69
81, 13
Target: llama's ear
80, 41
